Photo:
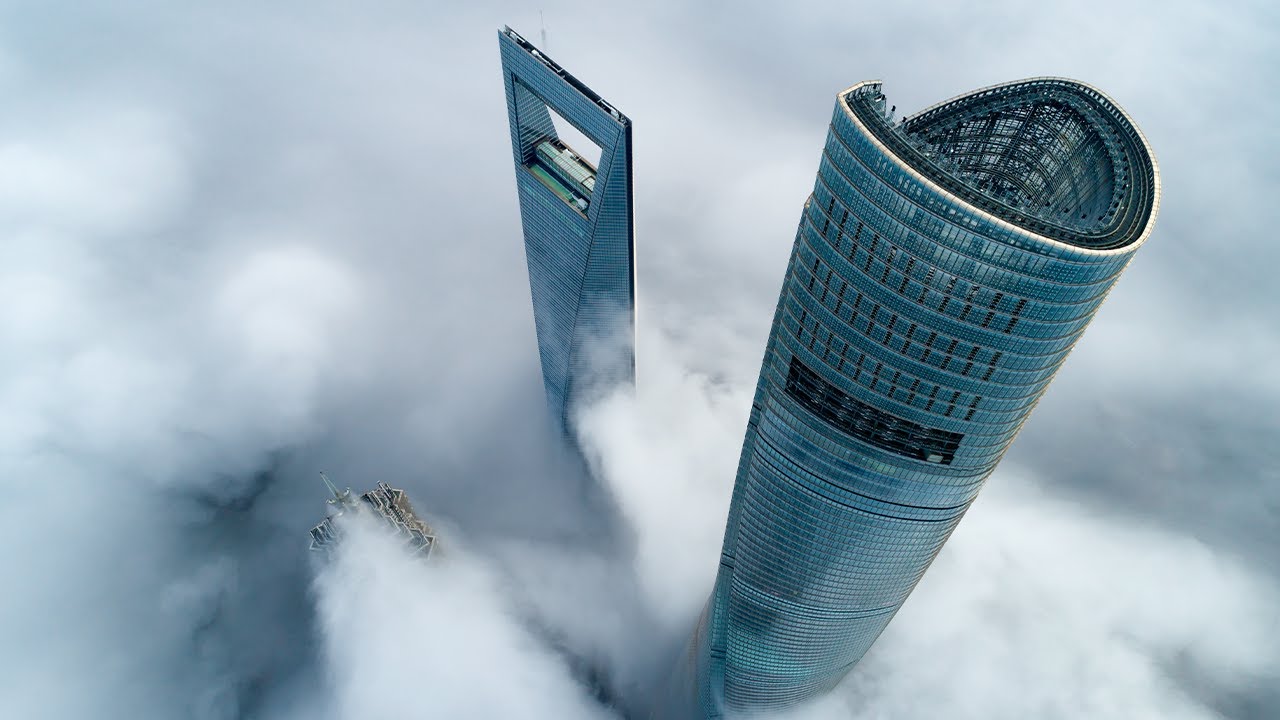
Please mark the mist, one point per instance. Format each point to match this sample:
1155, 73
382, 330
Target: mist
245, 244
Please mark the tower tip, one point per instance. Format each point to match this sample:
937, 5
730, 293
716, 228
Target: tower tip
329, 484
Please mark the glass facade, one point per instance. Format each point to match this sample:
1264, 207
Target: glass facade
577, 221
943, 269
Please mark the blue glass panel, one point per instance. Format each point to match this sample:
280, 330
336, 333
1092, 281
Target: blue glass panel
917, 327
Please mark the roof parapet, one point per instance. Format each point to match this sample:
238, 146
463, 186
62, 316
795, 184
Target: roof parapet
1052, 156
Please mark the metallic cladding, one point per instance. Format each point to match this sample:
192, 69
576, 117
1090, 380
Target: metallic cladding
581, 262
904, 307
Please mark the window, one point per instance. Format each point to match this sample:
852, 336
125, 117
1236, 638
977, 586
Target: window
869, 424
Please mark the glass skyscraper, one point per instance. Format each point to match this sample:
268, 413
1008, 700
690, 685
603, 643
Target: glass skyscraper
577, 221
944, 267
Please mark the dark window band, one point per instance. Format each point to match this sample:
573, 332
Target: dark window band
864, 422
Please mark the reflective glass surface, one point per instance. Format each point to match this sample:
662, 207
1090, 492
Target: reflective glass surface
913, 336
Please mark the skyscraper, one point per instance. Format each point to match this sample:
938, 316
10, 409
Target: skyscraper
578, 225
943, 269
390, 505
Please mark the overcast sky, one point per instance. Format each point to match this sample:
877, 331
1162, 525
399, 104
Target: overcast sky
248, 242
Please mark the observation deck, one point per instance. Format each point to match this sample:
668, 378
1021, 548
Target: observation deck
564, 171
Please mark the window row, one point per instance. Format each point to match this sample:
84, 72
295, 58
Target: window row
795, 431
926, 284
877, 376
889, 329
869, 424
861, 157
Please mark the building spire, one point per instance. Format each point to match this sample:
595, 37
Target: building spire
340, 497
329, 484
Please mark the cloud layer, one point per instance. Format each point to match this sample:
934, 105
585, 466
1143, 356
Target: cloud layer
1040, 605
245, 244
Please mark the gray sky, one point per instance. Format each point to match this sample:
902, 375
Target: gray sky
245, 243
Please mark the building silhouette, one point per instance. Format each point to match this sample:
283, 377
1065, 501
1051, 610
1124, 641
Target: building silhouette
944, 267
389, 505
578, 226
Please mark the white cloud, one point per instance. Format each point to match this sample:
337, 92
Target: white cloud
1039, 606
407, 638
245, 244
668, 453
1042, 607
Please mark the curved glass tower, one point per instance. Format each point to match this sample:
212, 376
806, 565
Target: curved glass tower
944, 267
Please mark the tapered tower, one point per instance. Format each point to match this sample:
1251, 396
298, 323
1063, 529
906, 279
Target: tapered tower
577, 218
944, 267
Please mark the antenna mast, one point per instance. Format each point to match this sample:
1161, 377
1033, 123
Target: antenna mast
340, 497
329, 484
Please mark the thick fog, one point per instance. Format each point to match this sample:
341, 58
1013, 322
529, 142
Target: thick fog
243, 243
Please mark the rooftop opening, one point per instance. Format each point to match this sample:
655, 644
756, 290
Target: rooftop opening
555, 151
1053, 156
571, 136
1043, 156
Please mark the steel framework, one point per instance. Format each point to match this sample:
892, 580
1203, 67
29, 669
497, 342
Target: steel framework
1050, 155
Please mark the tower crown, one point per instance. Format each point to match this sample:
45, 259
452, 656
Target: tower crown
1052, 156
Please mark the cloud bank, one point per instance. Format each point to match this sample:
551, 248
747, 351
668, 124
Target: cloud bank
245, 244
403, 637
1040, 605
